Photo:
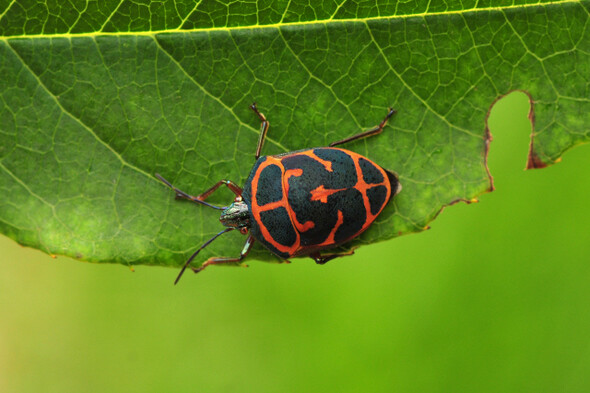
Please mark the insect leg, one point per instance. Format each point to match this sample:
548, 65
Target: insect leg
365, 134
263, 129
321, 259
220, 260
230, 184
201, 198
183, 195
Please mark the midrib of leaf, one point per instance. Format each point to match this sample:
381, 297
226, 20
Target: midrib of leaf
279, 25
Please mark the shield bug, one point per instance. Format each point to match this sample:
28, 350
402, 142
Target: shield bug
302, 202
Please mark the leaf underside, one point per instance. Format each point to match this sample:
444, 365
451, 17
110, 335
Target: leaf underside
93, 102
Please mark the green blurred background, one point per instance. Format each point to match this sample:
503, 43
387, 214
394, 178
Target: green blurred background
494, 298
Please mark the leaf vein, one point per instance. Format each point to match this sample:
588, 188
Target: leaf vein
414, 93
7, 8
216, 99
77, 120
188, 15
328, 87
107, 20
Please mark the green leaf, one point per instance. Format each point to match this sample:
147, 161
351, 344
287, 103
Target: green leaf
96, 99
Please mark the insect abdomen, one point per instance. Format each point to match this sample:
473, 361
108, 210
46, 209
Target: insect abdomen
332, 196
337, 197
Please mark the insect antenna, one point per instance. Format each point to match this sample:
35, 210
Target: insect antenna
197, 252
182, 194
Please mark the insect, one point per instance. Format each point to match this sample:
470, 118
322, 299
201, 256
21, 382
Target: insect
302, 202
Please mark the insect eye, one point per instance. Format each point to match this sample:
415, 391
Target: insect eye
244, 231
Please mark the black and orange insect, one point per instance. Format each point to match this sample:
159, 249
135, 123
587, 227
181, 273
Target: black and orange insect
302, 202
